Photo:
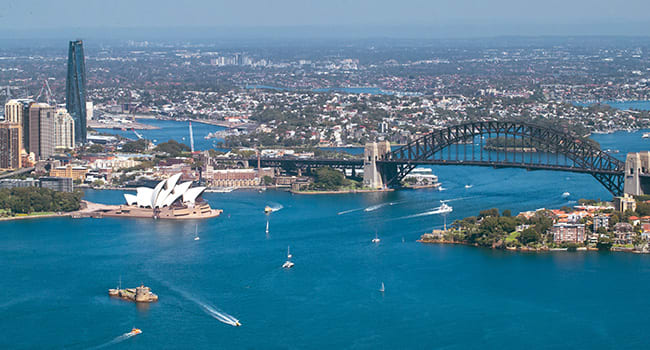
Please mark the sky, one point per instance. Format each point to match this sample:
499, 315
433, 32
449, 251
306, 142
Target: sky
401, 17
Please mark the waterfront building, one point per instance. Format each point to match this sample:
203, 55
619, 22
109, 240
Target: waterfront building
63, 130
69, 171
41, 130
169, 199
625, 203
11, 145
14, 183
601, 221
61, 184
623, 233
75, 89
231, 177
566, 232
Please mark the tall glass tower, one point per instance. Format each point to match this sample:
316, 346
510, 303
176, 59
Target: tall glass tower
75, 90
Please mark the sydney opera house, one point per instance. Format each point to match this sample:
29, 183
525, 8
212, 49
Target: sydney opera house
168, 200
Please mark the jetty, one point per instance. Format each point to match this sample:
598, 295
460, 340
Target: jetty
140, 294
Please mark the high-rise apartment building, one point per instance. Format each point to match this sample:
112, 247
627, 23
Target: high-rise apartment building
11, 144
75, 89
41, 130
17, 112
63, 130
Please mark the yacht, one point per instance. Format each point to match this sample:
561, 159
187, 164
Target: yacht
646, 135
287, 264
196, 233
135, 331
444, 208
267, 226
289, 256
376, 239
468, 186
382, 289
566, 194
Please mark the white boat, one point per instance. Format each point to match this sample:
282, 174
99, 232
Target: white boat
287, 264
444, 209
382, 289
196, 233
646, 135
566, 194
468, 186
376, 239
267, 226
289, 256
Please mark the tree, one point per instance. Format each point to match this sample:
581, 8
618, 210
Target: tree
488, 212
506, 213
95, 148
328, 179
173, 148
137, 146
267, 180
529, 235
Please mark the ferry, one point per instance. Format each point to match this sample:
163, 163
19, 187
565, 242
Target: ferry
444, 208
135, 331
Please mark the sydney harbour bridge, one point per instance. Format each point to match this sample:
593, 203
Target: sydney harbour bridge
518, 145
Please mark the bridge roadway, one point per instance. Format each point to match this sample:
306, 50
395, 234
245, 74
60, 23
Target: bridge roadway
358, 164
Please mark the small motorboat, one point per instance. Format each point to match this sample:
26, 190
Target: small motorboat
566, 194
468, 186
268, 210
237, 324
135, 331
287, 264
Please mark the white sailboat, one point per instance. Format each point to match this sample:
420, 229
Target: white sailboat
382, 289
267, 226
376, 239
196, 233
288, 264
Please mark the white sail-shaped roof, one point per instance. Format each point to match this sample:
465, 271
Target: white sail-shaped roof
172, 181
178, 192
131, 199
156, 191
190, 195
162, 195
144, 196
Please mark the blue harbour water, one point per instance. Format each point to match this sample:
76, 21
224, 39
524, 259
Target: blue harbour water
55, 274
173, 130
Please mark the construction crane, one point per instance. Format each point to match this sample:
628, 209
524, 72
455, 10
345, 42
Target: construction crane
48, 94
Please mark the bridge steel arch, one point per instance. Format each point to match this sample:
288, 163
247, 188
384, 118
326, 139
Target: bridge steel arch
585, 157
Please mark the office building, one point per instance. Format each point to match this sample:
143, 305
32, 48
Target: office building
63, 130
41, 130
61, 184
11, 145
75, 89
74, 173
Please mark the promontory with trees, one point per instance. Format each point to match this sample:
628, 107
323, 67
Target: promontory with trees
591, 225
23, 201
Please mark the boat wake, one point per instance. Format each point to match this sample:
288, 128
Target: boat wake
119, 339
433, 211
378, 206
208, 309
349, 211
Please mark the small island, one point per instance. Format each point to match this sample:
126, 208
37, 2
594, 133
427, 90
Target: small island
623, 225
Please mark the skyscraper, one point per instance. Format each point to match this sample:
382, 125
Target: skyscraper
63, 130
17, 112
10, 145
41, 130
75, 89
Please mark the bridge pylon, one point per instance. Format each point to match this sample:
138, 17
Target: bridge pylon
373, 176
637, 169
